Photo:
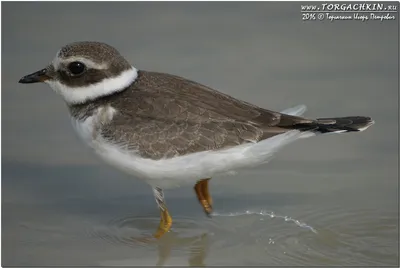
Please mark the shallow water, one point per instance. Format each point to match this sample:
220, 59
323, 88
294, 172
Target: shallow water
47, 218
326, 200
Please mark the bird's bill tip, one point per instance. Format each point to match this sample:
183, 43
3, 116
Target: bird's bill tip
39, 76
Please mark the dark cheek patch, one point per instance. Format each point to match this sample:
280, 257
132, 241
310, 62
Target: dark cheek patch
88, 78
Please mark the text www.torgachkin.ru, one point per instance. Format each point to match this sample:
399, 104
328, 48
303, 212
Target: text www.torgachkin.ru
350, 7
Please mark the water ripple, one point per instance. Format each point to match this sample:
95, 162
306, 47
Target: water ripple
271, 214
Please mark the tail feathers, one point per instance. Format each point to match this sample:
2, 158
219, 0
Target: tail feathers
343, 124
296, 111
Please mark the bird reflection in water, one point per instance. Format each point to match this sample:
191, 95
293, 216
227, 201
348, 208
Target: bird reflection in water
197, 248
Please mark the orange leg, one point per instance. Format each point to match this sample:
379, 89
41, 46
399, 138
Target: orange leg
166, 220
203, 195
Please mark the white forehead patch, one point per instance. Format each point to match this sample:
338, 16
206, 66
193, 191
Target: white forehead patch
57, 61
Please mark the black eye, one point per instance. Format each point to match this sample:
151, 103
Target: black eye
76, 67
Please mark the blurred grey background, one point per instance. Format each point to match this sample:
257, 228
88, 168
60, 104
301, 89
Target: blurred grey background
57, 195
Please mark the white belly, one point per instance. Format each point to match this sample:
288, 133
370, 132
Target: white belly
177, 171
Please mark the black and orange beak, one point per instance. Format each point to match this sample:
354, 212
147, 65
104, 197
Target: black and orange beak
39, 76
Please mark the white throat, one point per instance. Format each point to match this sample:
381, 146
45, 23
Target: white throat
76, 95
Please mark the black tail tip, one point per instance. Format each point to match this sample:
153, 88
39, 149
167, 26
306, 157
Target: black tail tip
345, 124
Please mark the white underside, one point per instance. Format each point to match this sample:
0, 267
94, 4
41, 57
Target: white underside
174, 172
